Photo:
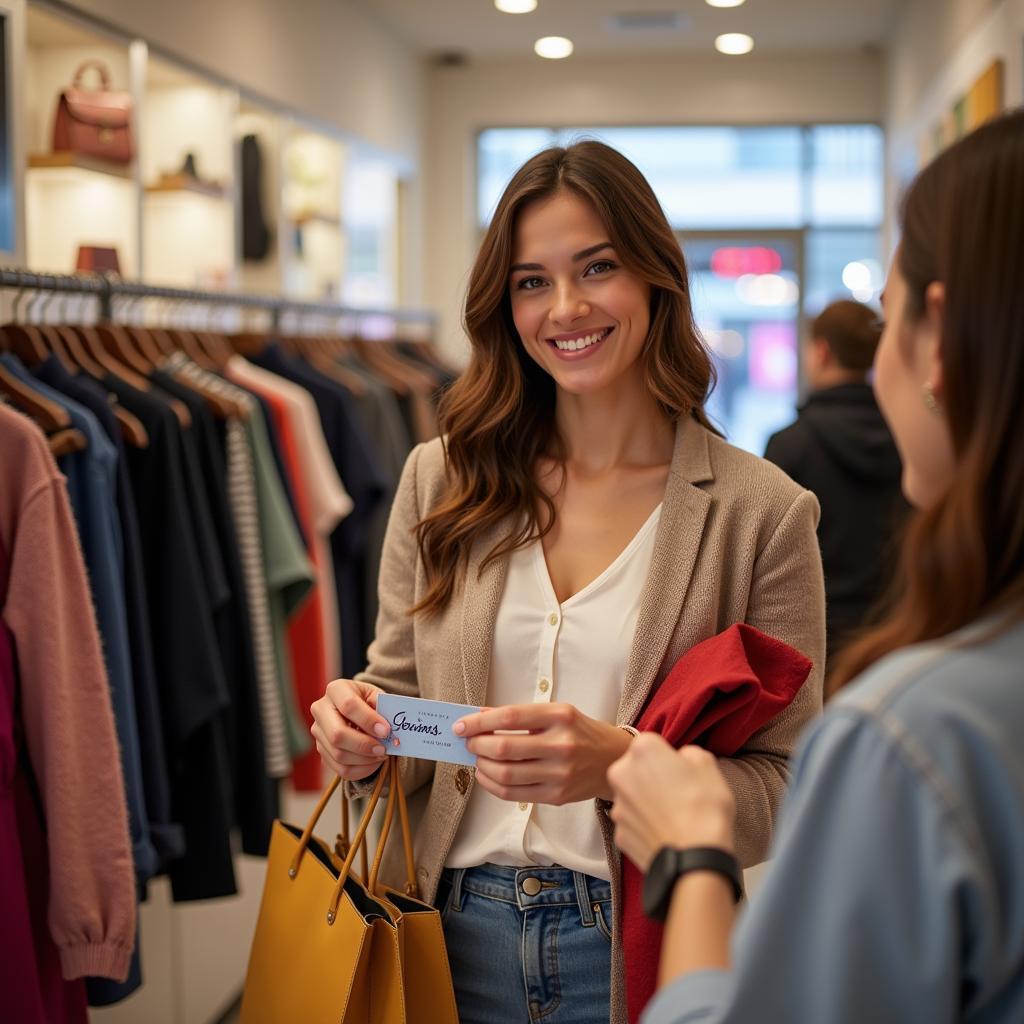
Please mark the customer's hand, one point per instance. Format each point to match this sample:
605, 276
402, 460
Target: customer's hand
560, 756
668, 797
349, 733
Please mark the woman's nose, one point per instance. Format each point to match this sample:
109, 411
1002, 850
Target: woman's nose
568, 305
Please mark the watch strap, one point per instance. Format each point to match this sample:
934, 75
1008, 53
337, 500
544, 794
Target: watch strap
658, 892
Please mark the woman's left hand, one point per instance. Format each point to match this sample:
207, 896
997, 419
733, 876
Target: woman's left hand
560, 755
668, 797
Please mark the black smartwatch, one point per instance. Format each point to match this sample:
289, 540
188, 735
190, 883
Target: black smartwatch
669, 864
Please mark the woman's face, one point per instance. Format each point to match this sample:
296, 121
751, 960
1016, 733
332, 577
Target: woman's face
908, 365
580, 314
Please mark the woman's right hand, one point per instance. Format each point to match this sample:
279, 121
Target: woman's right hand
349, 733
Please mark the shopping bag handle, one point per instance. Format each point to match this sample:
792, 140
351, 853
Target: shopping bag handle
326, 796
396, 795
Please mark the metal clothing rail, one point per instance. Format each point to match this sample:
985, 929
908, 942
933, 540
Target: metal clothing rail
106, 289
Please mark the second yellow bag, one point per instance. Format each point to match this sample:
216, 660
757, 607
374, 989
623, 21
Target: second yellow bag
325, 950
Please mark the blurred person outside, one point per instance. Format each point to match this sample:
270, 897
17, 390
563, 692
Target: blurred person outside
840, 448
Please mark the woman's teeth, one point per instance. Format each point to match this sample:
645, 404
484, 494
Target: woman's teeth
580, 343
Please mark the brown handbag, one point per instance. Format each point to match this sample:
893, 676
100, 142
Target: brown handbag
94, 122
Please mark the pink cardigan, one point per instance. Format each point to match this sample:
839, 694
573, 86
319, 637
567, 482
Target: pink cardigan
65, 710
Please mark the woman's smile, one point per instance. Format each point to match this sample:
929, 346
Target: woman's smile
580, 344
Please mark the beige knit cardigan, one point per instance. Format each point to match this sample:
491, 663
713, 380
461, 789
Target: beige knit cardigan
736, 543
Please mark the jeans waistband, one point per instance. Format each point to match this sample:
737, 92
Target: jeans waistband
528, 887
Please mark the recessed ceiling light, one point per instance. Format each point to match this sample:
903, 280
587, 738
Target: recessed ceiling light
553, 47
724, 3
516, 6
734, 43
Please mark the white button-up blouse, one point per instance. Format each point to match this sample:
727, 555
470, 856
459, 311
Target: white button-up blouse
573, 653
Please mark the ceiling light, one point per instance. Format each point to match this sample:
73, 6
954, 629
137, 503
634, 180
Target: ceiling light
553, 47
734, 43
516, 6
723, 3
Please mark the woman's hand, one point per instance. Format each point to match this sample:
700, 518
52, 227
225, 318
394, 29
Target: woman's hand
563, 756
668, 797
349, 733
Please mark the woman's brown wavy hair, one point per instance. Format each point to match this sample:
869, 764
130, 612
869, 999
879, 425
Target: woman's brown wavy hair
963, 558
499, 417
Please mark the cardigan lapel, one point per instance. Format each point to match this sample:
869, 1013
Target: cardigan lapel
481, 598
677, 542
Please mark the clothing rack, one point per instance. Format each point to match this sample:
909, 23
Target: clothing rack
106, 289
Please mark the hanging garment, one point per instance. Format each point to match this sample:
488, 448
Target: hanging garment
382, 421
309, 466
241, 476
91, 485
76, 849
290, 575
165, 834
255, 800
256, 236
307, 631
365, 482
186, 586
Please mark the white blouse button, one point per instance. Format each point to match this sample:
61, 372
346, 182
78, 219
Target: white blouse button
553, 619
544, 685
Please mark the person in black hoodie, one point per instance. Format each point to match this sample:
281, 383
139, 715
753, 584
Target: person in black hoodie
841, 449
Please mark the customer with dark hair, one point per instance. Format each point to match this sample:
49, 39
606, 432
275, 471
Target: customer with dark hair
841, 449
896, 890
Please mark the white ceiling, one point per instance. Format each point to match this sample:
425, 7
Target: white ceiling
476, 29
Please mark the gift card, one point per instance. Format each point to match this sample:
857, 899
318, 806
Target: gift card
423, 728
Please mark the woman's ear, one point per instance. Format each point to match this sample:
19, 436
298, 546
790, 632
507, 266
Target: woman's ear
934, 315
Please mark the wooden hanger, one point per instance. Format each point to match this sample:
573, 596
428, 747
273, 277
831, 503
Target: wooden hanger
152, 340
371, 358
248, 344
427, 350
20, 338
317, 354
97, 350
217, 347
64, 442
187, 342
50, 416
120, 345
25, 341
141, 340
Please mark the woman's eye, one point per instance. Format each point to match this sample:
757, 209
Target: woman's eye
600, 267
527, 284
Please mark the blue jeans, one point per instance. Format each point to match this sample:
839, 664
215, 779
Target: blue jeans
527, 944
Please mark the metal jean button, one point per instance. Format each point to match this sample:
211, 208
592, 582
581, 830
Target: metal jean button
531, 886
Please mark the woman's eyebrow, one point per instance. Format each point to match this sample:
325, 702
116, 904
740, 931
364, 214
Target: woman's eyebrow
581, 255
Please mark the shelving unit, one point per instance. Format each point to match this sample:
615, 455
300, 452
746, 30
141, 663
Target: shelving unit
79, 161
313, 249
72, 200
188, 225
329, 207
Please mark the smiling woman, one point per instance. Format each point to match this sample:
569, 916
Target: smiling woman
579, 527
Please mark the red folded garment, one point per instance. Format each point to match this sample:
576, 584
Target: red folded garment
717, 696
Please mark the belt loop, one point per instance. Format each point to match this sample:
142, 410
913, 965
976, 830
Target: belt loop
457, 875
583, 899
